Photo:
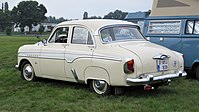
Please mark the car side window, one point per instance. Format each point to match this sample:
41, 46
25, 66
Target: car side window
81, 36
60, 35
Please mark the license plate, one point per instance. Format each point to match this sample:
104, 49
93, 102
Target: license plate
162, 65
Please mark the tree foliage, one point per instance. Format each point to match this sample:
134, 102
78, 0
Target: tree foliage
28, 13
8, 30
117, 14
41, 29
5, 18
6, 7
53, 19
85, 15
95, 17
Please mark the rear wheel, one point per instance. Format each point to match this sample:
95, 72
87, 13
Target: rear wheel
197, 72
27, 72
100, 87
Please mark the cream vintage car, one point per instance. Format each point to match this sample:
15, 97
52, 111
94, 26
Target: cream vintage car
106, 54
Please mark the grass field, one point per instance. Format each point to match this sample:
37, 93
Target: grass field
17, 95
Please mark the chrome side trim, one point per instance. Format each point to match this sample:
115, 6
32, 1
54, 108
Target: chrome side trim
69, 57
53, 58
75, 75
107, 58
150, 79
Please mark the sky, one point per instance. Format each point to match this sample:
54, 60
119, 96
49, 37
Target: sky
74, 9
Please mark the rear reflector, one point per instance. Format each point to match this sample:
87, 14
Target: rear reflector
148, 87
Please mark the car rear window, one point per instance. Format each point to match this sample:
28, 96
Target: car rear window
120, 33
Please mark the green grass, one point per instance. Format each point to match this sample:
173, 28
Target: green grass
51, 96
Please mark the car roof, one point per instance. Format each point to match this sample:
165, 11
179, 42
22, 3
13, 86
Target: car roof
95, 24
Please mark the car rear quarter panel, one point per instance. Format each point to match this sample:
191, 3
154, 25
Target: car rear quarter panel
110, 60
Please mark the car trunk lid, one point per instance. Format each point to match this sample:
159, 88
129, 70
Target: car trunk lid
154, 58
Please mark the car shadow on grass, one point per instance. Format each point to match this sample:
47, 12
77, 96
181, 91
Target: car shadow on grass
61, 84
134, 91
139, 91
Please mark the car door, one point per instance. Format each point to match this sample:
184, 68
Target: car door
79, 52
53, 54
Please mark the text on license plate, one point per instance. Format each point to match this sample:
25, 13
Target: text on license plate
162, 65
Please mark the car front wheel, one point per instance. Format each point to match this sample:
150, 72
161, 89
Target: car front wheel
27, 72
100, 87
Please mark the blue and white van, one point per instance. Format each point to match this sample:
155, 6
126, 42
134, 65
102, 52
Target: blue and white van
176, 26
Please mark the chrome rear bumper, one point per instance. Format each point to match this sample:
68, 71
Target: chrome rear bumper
150, 79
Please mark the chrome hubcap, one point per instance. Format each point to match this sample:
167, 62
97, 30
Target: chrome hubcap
28, 72
99, 86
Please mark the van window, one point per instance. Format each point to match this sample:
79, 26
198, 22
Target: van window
192, 27
196, 28
164, 27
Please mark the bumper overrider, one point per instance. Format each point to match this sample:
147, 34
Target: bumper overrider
17, 67
150, 79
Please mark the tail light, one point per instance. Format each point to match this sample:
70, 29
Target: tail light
129, 66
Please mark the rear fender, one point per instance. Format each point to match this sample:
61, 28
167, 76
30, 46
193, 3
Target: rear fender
97, 73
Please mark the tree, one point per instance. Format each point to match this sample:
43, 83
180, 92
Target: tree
41, 29
6, 7
95, 17
85, 16
5, 19
2, 20
51, 19
2, 7
61, 19
28, 13
8, 31
117, 14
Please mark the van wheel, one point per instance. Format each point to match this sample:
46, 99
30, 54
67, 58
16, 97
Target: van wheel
27, 72
197, 72
100, 87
